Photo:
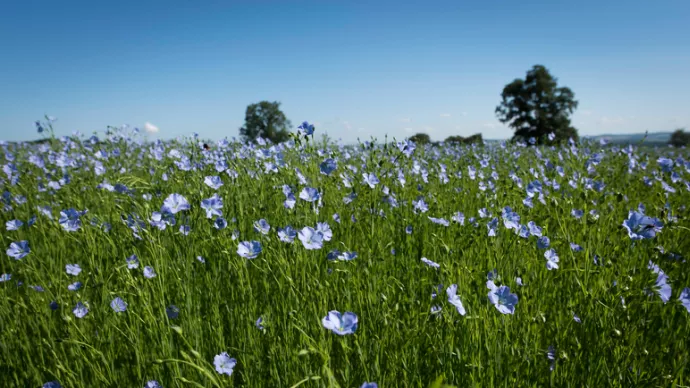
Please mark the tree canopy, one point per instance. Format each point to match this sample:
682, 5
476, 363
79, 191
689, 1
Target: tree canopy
265, 119
536, 106
679, 138
420, 138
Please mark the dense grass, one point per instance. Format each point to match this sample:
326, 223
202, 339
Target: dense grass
642, 342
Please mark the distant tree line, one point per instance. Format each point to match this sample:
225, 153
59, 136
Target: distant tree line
423, 138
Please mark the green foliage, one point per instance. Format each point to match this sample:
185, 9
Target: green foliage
265, 119
420, 138
680, 138
536, 106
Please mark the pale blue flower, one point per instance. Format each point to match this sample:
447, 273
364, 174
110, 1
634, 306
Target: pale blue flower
502, 299
684, 298
224, 363
80, 310
76, 286
640, 226
18, 250
249, 249
69, 220
213, 206
175, 203
340, 324
309, 194
311, 238
287, 234
149, 272
551, 259
454, 299
430, 263
118, 305
213, 182
13, 225
370, 179
73, 269
262, 226
132, 262
325, 230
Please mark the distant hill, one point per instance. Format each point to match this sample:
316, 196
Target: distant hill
628, 138
654, 138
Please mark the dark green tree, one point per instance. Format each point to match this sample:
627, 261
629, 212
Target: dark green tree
536, 106
679, 138
420, 138
265, 119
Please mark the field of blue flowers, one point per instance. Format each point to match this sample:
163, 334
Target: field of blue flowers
313, 264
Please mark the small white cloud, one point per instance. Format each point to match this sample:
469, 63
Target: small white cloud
405, 120
428, 129
586, 112
490, 125
150, 128
445, 114
464, 113
360, 130
347, 125
408, 130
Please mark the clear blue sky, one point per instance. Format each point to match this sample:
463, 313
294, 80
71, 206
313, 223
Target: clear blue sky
355, 68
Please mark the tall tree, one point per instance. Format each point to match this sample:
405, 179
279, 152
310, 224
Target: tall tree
265, 119
536, 106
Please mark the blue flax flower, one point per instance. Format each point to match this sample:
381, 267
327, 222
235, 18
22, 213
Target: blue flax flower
213, 206
501, 298
73, 269
262, 226
213, 182
118, 305
287, 234
18, 250
551, 259
249, 249
328, 166
454, 299
80, 310
224, 363
175, 203
311, 238
69, 220
340, 324
640, 226
684, 298
309, 194
149, 272
430, 263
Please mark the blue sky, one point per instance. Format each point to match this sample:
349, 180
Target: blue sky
355, 68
